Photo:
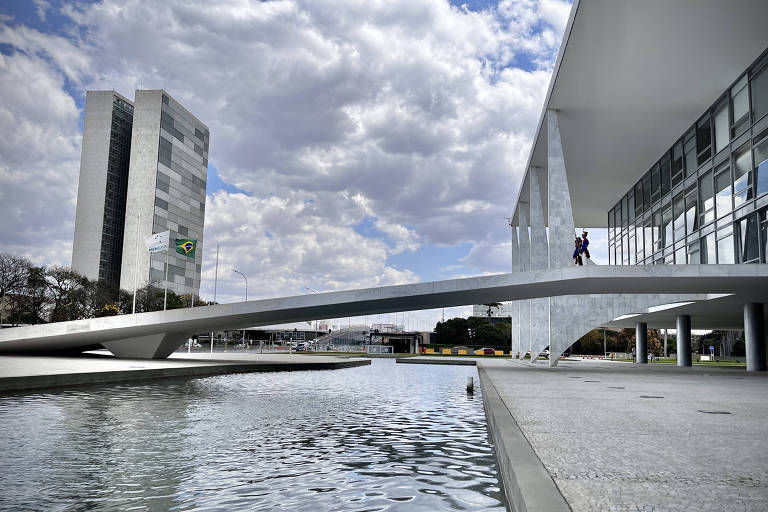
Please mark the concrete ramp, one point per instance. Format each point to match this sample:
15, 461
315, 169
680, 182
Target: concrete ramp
155, 335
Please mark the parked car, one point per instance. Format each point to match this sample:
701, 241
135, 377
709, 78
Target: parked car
488, 351
544, 353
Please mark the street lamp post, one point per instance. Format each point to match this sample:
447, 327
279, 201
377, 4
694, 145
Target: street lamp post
246, 296
313, 291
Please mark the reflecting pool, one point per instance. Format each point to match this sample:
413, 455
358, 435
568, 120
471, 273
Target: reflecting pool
381, 437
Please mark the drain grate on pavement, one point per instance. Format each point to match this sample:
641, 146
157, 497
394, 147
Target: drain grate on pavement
650, 396
713, 412
616, 387
591, 381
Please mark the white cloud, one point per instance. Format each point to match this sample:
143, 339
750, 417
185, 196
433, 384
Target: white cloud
325, 112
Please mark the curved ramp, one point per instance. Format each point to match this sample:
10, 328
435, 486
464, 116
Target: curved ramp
158, 334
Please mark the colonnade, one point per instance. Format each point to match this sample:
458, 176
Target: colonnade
754, 338
544, 240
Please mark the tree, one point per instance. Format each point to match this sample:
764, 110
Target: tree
68, 293
31, 305
14, 271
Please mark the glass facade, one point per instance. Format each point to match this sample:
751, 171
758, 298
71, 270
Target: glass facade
706, 199
182, 170
111, 254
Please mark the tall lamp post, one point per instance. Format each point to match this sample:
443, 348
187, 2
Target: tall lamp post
313, 291
246, 296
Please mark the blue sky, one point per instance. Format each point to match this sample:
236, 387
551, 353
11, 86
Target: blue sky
352, 144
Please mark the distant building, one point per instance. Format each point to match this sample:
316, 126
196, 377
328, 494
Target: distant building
504, 310
99, 221
143, 170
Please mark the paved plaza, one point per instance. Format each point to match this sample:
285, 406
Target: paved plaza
653, 438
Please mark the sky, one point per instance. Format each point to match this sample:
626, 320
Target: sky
353, 143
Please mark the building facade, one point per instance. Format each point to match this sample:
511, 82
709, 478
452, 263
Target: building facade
143, 170
99, 220
706, 199
166, 191
503, 311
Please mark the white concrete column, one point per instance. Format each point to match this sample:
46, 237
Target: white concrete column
524, 244
559, 210
539, 318
754, 337
515, 306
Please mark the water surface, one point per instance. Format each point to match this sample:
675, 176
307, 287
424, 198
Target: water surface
381, 437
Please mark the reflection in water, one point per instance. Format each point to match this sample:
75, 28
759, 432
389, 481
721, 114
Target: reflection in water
380, 437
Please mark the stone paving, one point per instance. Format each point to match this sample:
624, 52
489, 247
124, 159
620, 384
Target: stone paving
626, 438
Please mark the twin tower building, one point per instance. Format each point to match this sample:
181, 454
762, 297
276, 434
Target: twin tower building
143, 170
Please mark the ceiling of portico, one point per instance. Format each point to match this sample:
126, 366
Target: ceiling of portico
632, 76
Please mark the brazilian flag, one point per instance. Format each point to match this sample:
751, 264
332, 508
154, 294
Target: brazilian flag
186, 246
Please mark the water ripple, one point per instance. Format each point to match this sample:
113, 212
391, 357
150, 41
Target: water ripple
385, 437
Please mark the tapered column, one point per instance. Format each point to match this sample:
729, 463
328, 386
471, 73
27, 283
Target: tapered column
559, 210
683, 340
525, 265
754, 337
515, 306
641, 341
539, 261
524, 242
539, 246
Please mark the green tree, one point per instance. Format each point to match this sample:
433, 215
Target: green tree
14, 271
68, 294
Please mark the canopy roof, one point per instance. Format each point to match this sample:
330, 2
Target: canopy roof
630, 78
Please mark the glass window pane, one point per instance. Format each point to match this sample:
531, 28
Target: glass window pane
761, 164
639, 199
666, 220
694, 254
703, 140
749, 240
625, 249
742, 176
725, 250
723, 188
722, 128
677, 163
763, 236
632, 253
665, 175
680, 256
655, 184
690, 154
624, 215
760, 94
657, 241
648, 237
740, 106
631, 205
691, 216
639, 242
706, 198
647, 190
678, 207
708, 249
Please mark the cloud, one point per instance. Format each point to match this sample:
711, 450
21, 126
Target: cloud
39, 160
324, 112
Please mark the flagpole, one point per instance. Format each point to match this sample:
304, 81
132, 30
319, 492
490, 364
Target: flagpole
136, 263
215, 282
165, 296
216, 275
